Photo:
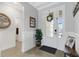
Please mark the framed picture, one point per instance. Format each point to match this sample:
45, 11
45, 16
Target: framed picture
32, 22
76, 9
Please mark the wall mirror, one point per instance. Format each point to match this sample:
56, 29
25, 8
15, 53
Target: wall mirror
4, 21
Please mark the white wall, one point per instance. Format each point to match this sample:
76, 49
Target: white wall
76, 18
28, 33
69, 27
8, 35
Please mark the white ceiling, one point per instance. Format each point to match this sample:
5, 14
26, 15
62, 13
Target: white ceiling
41, 5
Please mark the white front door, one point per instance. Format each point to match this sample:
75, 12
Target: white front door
54, 29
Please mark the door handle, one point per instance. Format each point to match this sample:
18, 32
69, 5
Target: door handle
55, 31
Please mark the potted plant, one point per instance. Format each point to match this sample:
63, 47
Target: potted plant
38, 36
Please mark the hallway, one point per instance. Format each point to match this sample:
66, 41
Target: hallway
13, 52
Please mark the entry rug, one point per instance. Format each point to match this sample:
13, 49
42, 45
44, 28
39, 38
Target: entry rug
48, 49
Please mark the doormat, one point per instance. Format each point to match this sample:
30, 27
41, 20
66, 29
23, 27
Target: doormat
48, 49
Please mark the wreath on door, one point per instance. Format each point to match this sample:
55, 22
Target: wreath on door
50, 17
